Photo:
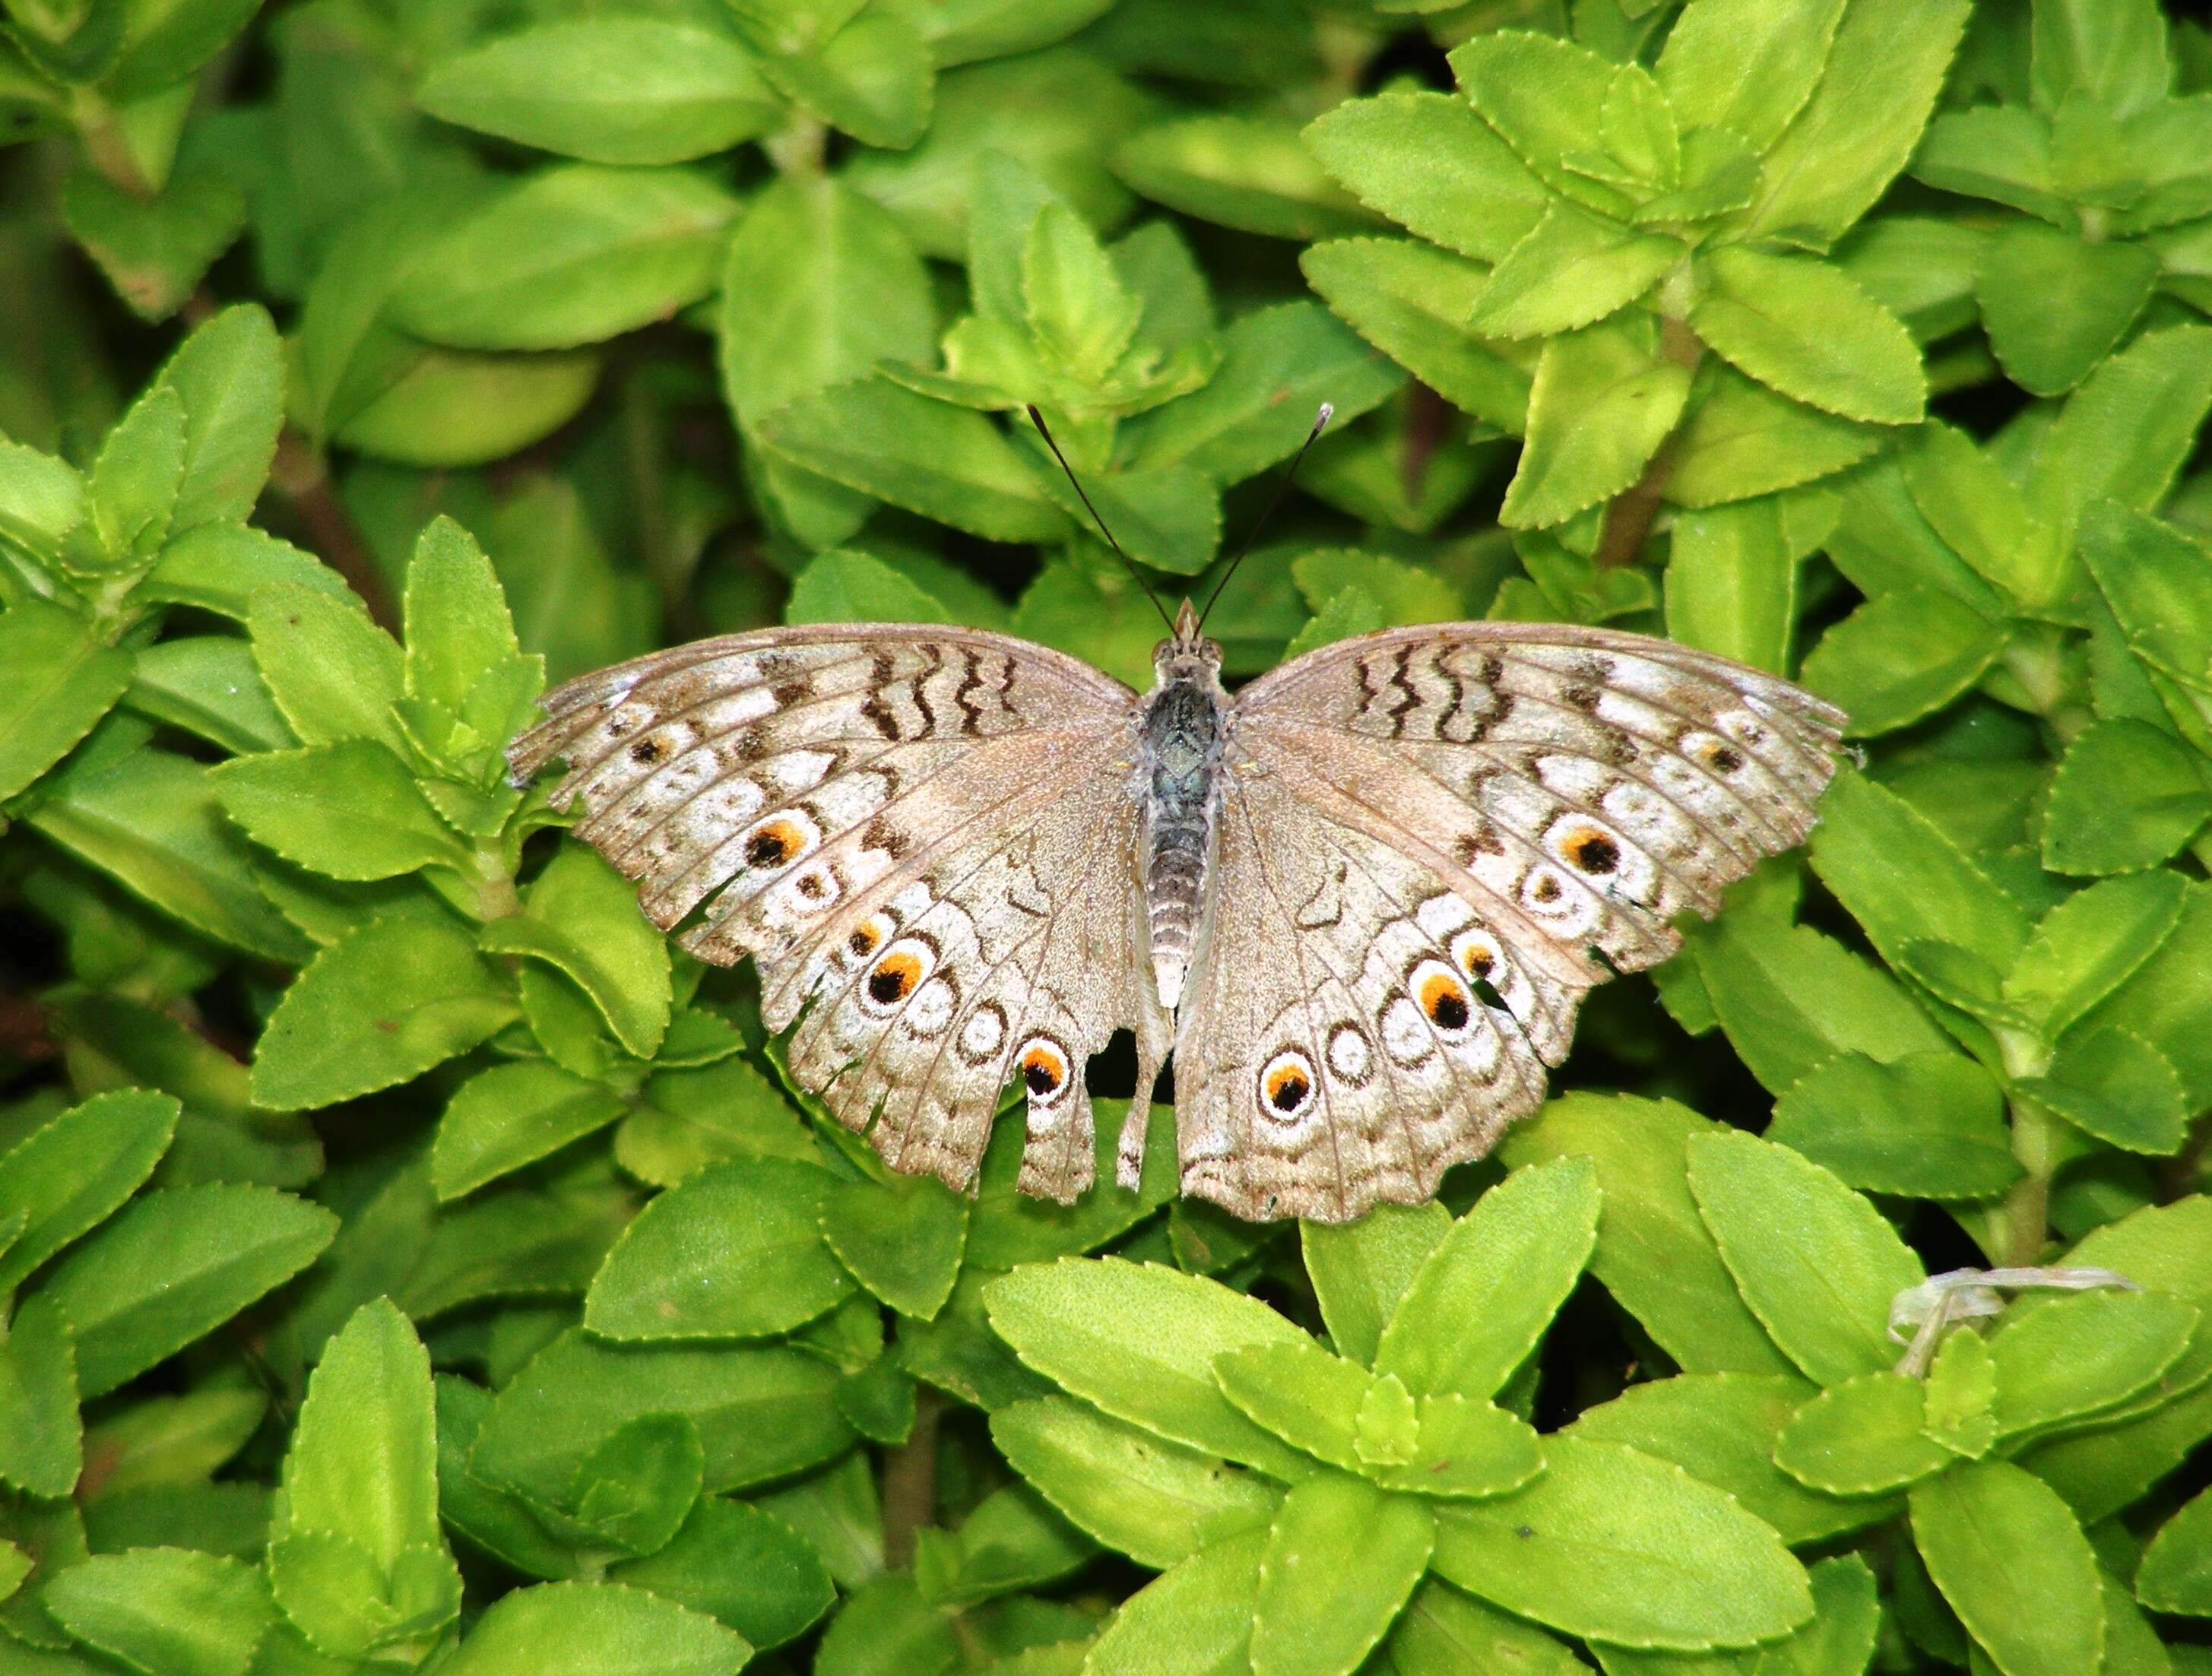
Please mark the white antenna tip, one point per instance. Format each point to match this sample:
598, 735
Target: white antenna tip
1327, 413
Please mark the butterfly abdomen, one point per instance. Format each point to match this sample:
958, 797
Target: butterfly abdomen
1180, 754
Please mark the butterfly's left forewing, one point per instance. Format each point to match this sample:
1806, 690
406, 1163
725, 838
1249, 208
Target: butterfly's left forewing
1428, 838
924, 836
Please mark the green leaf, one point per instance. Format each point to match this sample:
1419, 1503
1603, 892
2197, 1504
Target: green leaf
2125, 796
1903, 657
350, 810
67, 1176
873, 79
41, 1435
925, 456
2115, 53
1863, 1436
1926, 1125
1538, 93
207, 684
734, 1252
596, 1630
1791, 999
580, 917
61, 682
1902, 878
1248, 173
463, 668
1361, 1270
1966, 497
1572, 268
1960, 1389
1723, 1428
218, 567
150, 822
2014, 1566
1341, 1559
229, 374
2176, 1574
2116, 1086
763, 1412
1483, 1298
2091, 943
165, 1610
637, 1489
1745, 66
1655, 1254
1140, 1341
357, 1560
1802, 327
1303, 1394
2124, 435
1732, 583
1431, 164
2061, 1359
154, 251
380, 1005
903, 1242
166, 1442
1815, 1262
616, 89
135, 481
1614, 1545
41, 500
1412, 303
740, 1564
2055, 305
574, 255
1852, 136
1443, 1632
1081, 315
333, 673
456, 408
511, 1116
1278, 366
1154, 1501
175, 1265
2158, 582
1195, 1620
1602, 403
1741, 440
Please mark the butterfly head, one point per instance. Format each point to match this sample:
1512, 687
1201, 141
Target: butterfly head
1188, 655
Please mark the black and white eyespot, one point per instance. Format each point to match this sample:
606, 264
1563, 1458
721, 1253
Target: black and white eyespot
1351, 1061
983, 1033
1286, 1086
928, 1015
1407, 1037
899, 971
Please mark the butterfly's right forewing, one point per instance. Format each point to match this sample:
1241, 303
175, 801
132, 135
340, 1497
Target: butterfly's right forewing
925, 837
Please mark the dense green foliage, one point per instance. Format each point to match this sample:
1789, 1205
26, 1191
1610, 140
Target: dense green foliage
406, 1260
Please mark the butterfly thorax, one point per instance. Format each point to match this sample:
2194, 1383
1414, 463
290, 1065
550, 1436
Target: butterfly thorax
1179, 758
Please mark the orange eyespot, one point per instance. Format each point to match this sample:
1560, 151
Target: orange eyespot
1479, 957
1590, 851
895, 977
1286, 1085
1443, 998
863, 942
1044, 1068
775, 842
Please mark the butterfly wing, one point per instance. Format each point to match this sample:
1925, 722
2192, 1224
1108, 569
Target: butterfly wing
924, 837
1428, 837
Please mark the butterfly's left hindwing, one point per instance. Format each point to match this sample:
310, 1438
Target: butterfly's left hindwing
925, 838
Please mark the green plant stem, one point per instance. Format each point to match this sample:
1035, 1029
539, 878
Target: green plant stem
1629, 519
2027, 1214
496, 893
909, 1485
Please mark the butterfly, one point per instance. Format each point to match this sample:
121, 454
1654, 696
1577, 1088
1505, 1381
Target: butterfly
1360, 900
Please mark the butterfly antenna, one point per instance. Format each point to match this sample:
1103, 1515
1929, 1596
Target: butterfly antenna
1037, 419
1282, 484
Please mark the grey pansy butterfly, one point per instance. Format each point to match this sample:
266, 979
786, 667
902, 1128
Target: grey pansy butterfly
1360, 899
